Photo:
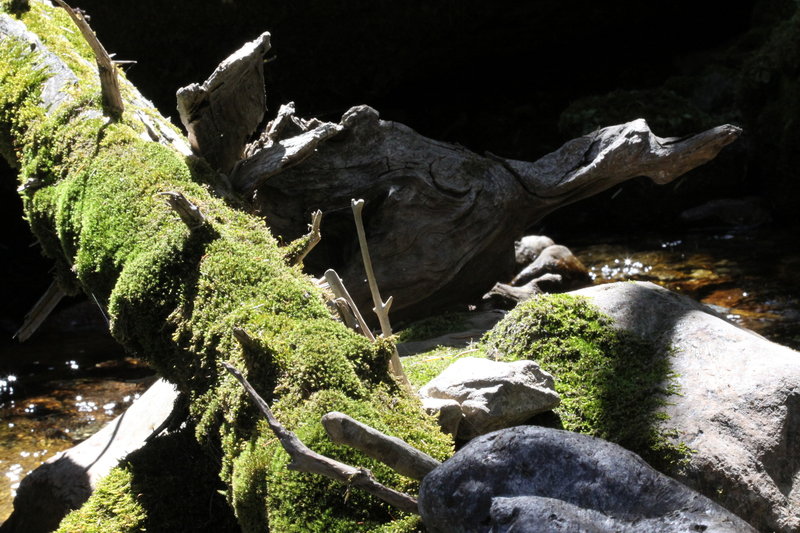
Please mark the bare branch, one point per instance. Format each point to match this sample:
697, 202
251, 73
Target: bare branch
40, 311
304, 459
381, 308
393, 452
109, 83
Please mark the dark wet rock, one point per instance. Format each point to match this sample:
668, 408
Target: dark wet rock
538, 479
748, 211
560, 261
528, 248
493, 394
739, 402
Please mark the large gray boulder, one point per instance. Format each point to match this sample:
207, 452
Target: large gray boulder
530, 478
492, 394
739, 401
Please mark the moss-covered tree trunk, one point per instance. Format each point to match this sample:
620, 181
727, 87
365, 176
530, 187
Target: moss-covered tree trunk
174, 294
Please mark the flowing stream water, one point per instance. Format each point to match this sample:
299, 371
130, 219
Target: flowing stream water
63, 385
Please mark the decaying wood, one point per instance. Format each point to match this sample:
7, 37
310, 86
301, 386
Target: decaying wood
221, 114
304, 459
40, 311
393, 452
109, 83
277, 157
441, 220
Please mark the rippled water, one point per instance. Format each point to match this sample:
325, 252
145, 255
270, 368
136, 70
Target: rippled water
56, 390
750, 275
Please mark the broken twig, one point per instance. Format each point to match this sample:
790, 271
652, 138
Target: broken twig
339, 290
381, 308
40, 311
188, 212
301, 247
109, 83
304, 459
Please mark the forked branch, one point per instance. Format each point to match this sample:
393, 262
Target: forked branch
304, 459
381, 308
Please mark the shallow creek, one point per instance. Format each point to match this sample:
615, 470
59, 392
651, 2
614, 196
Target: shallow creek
63, 385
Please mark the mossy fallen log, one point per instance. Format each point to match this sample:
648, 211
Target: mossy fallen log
91, 188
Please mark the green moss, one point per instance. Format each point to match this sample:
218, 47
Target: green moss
423, 367
174, 296
612, 384
170, 485
296, 508
113, 508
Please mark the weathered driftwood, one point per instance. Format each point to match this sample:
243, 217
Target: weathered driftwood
304, 459
440, 219
394, 452
221, 114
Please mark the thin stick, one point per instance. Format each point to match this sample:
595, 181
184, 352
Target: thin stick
396, 453
40, 311
381, 308
339, 290
109, 84
304, 459
307, 242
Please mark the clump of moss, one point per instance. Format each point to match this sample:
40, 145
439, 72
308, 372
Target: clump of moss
112, 508
612, 384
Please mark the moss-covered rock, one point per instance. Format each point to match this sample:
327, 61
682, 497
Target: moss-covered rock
175, 294
611, 383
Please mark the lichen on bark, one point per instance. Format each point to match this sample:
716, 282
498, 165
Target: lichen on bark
174, 294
